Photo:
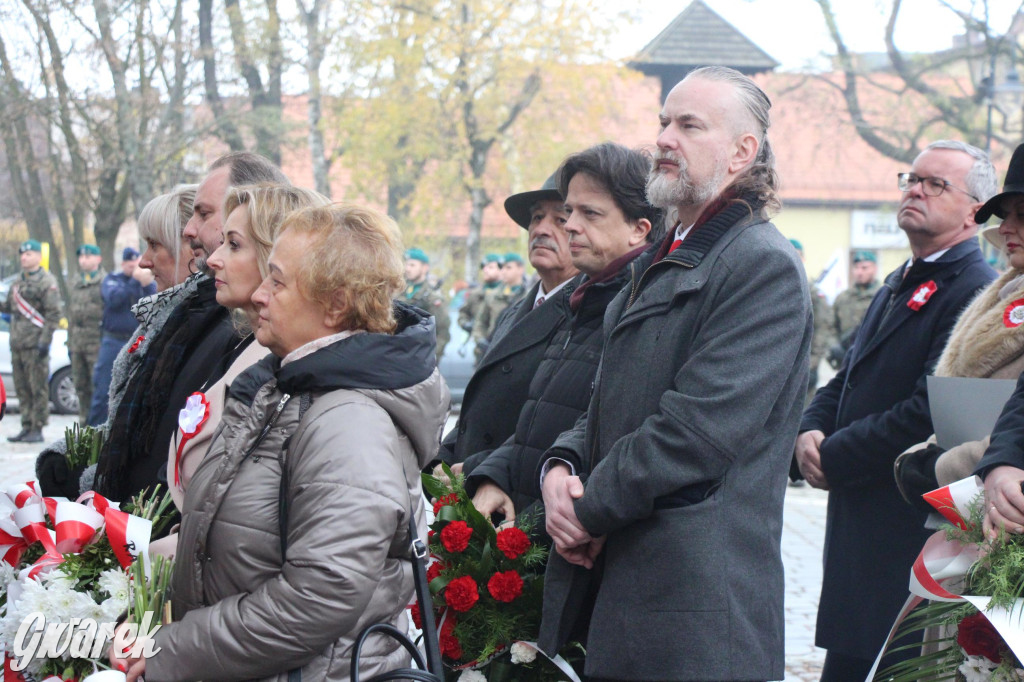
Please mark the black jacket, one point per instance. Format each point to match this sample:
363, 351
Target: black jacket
500, 385
1007, 445
872, 410
558, 395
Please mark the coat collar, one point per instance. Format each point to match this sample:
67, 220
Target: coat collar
889, 309
529, 327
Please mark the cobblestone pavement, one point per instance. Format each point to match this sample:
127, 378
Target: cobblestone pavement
18, 460
803, 536
802, 539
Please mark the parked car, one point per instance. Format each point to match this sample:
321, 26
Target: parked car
62, 387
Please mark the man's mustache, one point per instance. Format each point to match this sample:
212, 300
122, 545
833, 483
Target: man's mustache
545, 242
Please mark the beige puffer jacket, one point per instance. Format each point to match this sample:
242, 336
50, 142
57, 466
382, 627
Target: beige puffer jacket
352, 461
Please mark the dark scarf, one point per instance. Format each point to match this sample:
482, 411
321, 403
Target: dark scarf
721, 214
133, 428
609, 273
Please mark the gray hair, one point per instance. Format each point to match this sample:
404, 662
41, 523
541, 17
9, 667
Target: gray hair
248, 168
760, 178
981, 180
163, 219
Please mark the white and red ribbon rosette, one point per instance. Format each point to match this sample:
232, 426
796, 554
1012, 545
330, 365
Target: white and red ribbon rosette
922, 294
940, 568
191, 420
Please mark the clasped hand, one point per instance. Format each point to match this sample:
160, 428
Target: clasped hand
572, 541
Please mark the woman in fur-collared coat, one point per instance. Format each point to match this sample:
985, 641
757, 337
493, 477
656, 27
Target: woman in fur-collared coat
986, 343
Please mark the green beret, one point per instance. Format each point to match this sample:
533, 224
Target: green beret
513, 258
30, 245
797, 245
417, 254
491, 258
88, 250
859, 256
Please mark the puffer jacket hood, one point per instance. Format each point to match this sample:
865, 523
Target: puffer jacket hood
396, 370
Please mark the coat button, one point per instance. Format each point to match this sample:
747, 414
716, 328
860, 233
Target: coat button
506, 368
850, 385
462, 428
488, 439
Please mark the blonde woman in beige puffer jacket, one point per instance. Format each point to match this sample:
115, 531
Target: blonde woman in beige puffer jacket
326, 439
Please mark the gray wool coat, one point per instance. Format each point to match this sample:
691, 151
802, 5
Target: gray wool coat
685, 451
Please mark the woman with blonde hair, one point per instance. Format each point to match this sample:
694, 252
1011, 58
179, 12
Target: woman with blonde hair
253, 217
295, 531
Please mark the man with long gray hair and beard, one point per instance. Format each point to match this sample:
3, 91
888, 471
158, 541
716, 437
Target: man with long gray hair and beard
665, 501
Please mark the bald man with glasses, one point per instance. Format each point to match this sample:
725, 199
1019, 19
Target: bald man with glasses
877, 406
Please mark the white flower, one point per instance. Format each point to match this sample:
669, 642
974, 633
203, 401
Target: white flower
522, 653
115, 583
977, 669
472, 676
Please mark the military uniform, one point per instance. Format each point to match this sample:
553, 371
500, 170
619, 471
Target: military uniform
470, 304
423, 296
494, 301
85, 311
848, 312
35, 308
822, 339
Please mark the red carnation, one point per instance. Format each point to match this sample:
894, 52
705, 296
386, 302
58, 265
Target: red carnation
455, 536
505, 586
512, 542
449, 499
417, 620
977, 637
462, 593
450, 646
434, 570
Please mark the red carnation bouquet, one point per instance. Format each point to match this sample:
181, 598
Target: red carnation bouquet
487, 585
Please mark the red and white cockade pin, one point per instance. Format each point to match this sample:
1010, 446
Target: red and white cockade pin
190, 420
1013, 316
135, 346
922, 294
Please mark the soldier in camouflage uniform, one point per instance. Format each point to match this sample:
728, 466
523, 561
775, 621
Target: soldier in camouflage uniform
420, 293
850, 306
34, 305
490, 278
496, 299
85, 311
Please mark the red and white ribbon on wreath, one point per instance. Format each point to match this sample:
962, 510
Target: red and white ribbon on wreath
75, 525
943, 564
922, 294
1013, 316
191, 420
129, 535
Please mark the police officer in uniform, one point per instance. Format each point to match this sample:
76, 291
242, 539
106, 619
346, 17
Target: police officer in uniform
34, 305
420, 293
85, 310
850, 306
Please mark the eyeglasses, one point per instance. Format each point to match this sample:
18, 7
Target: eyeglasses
932, 187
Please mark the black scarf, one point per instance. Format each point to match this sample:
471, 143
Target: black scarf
134, 426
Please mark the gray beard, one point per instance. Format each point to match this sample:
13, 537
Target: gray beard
201, 266
663, 193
